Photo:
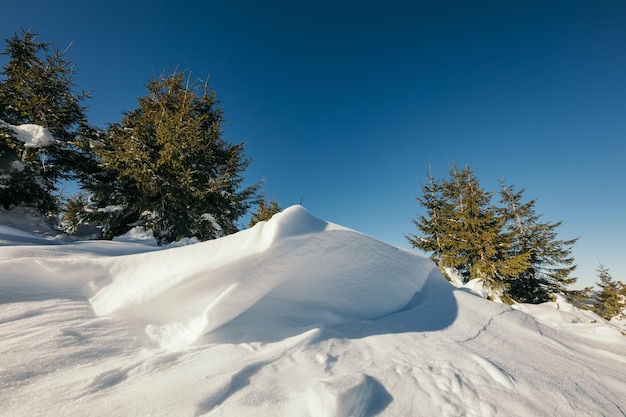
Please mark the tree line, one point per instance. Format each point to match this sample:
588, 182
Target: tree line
165, 166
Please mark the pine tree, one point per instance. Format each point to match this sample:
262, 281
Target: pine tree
264, 211
550, 261
608, 302
38, 88
166, 167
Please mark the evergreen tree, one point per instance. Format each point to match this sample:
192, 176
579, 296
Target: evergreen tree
435, 224
166, 167
482, 245
264, 211
517, 256
550, 261
608, 302
37, 88
466, 233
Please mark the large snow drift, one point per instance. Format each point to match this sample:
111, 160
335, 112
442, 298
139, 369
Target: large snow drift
295, 268
293, 317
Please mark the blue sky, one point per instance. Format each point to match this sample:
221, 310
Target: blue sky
343, 105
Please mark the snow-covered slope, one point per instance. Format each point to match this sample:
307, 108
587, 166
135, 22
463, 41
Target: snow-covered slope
293, 317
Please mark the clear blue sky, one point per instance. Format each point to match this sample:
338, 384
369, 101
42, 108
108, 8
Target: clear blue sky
344, 104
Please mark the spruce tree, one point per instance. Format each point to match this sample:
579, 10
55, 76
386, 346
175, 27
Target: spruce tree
265, 211
608, 302
518, 257
550, 261
166, 167
465, 232
482, 248
435, 224
37, 88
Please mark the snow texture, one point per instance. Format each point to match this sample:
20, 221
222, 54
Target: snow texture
292, 317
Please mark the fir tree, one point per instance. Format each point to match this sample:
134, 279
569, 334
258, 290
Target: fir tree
550, 262
515, 254
482, 245
166, 167
264, 211
608, 302
465, 232
434, 225
37, 88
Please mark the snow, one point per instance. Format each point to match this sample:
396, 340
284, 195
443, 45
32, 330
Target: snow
292, 317
138, 234
32, 136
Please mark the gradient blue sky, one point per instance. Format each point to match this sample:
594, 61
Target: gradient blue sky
344, 104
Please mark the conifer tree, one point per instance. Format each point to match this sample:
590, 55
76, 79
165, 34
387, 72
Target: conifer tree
482, 248
608, 302
517, 256
434, 225
166, 167
37, 88
466, 232
550, 261
265, 211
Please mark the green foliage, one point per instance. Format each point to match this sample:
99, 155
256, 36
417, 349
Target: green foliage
165, 166
439, 211
609, 301
550, 260
264, 211
73, 213
37, 88
517, 257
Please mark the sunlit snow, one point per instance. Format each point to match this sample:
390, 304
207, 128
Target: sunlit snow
292, 317
32, 136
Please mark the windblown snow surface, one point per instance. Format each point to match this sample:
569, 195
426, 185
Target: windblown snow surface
294, 317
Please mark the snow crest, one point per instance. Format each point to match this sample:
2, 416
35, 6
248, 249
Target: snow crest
294, 269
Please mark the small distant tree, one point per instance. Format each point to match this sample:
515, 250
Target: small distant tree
37, 87
609, 301
264, 211
74, 213
166, 167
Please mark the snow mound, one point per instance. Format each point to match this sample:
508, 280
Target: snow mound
294, 270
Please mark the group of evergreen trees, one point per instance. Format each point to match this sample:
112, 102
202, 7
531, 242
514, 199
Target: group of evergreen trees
517, 256
164, 166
